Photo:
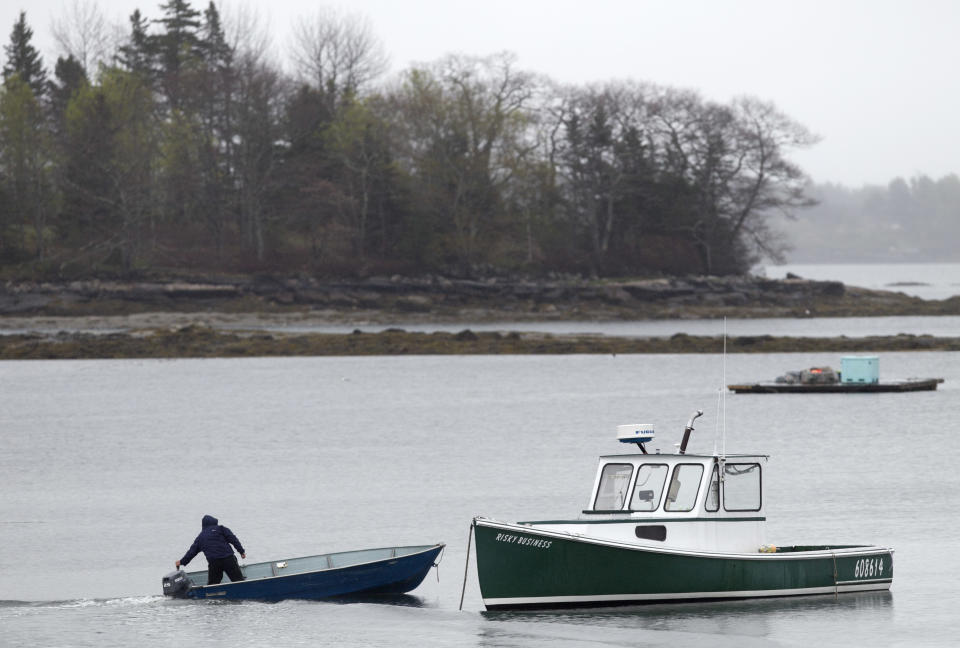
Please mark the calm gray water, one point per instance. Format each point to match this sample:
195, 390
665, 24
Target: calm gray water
925, 280
108, 466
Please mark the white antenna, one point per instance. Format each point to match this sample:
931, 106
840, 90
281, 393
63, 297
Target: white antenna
723, 395
716, 421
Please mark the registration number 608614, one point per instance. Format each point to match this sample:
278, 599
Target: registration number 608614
868, 568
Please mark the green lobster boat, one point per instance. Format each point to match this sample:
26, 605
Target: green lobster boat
661, 528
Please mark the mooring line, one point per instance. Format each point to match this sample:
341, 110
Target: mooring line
439, 560
466, 564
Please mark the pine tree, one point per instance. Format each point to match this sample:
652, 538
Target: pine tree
23, 59
24, 158
70, 77
215, 109
137, 54
216, 50
177, 48
216, 78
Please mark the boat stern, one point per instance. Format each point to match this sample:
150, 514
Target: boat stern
177, 584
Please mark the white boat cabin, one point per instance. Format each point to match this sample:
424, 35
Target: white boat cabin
678, 485
705, 502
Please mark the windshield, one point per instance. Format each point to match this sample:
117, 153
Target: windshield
682, 494
650, 480
614, 482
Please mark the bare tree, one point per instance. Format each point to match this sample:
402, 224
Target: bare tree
771, 182
733, 157
466, 131
534, 195
337, 53
82, 31
247, 33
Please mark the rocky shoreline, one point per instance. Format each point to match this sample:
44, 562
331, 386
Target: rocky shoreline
203, 342
436, 298
259, 316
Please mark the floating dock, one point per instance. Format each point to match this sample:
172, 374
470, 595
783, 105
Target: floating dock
925, 384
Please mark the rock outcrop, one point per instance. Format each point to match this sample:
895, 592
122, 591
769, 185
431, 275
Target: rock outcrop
442, 296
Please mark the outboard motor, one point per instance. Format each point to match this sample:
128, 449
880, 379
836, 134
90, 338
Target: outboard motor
176, 584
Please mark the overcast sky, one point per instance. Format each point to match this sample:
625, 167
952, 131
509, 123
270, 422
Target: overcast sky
877, 80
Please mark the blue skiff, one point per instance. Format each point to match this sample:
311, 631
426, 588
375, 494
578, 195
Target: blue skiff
391, 570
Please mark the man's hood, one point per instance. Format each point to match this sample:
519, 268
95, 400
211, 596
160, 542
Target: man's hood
209, 520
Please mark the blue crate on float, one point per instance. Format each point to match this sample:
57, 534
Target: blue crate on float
860, 369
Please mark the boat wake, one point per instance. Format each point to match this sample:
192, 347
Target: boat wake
127, 601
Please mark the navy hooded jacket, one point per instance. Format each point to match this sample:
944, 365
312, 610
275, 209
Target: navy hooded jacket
214, 541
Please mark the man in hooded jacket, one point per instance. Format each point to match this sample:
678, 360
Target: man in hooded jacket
214, 541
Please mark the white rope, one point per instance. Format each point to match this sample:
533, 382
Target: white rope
439, 560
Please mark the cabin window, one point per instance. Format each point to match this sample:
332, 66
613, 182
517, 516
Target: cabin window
713, 492
684, 486
649, 487
741, 487
614, 487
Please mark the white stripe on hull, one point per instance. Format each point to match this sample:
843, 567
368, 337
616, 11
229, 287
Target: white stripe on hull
627, 598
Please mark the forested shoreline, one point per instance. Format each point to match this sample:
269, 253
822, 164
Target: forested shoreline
915, 221
184, 146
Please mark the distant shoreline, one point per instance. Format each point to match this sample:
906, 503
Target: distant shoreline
202, 342
928, 280
247, 317
443, 299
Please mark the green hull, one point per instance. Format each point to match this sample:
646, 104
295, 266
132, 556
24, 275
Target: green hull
518, 566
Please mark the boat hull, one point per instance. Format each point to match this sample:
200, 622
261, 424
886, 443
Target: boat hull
522, 567
391, 575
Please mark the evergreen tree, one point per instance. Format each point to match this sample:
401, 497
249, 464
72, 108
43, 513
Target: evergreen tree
68, 154
137, 54
26, 177
177, 48
213, 44
23, 58
302, 190
215, 90
70, 77
109, 169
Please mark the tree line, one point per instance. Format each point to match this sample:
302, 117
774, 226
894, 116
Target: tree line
185, 146
915, 220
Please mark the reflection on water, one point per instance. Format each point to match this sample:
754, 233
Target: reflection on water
397, 600
760, 621
402, 600
673, 613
